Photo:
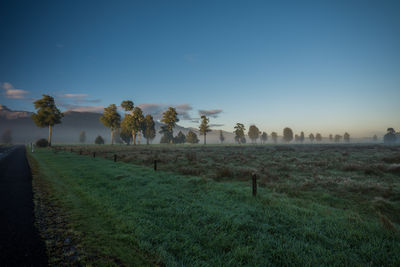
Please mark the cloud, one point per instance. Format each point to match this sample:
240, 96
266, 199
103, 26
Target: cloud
210, 113
78, 108
80, 98
216, 125
156, 110
11, 92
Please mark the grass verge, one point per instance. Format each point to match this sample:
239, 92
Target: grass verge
124, 214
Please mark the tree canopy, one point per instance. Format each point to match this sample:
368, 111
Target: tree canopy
239, 133
133, 122
149, 131
111, 119
254, 133
287, 135
169, 118
274, 137
47, 114
191, 137
204, 127
264, 137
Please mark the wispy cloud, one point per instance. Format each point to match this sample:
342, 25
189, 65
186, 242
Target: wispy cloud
79, 98
78, 108
10, 92
214, 113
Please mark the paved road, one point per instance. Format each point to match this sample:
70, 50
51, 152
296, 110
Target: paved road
20, 244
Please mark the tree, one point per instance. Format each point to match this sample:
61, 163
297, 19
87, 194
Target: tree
301, 137
375, 138
337, 138
149, 131
82, 137
254, 133
126, 136
204, 127
221, 136
117, 136
346, 137
318, 137
180, 138
390, 136
111, 119
287, 135
311, 136
170, 118
191, 138
99, 140
331, 137
6, 137
47, 114
274, 137
239, 133
296, 138
133, 121
264, 137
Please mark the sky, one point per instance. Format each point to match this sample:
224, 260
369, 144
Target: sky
315, 66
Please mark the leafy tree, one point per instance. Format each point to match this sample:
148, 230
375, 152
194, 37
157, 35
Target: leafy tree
301, 137
82, 137
133, 121
337, 138
274, 137
170, 118
180, 138
287, 135
99, 140
204, 127
126, 136
375, 138
149, 130
221, 136
47, 114
6, 137
390, 136
264, 137
346, 137
318, 137
296, 138
239, 133
111, 119
191, 138
311, 136
254, 133
331, 137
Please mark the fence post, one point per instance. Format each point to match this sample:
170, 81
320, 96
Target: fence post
80, 152
155, 165
254, 178
94, 154
115, 157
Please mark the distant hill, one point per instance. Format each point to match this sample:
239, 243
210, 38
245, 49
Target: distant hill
24, 129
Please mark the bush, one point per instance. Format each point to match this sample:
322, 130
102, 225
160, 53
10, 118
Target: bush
99, 140
42, 143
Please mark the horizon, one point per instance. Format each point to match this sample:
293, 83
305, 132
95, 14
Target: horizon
329, 67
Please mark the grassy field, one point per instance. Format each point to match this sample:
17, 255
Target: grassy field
316, 205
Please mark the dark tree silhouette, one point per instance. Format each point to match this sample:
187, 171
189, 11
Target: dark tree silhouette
287, 135
264, 137
346, 137
254, 133
390, 136
274, 137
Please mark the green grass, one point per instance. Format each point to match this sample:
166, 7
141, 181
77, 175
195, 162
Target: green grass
132, 215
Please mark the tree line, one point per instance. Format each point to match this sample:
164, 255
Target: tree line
134, 124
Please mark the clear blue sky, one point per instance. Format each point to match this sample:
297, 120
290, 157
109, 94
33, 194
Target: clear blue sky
316, 66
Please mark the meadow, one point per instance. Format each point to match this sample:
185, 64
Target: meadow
316, 204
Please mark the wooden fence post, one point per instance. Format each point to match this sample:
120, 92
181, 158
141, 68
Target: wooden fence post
115, 157
94, 154
155, 165
254, 178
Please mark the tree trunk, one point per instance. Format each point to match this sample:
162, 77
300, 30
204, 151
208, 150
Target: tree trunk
112, 137
147, 140
49, 139
134, 137
205, 138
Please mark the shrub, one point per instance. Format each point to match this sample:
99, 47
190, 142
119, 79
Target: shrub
99, 140
42, 143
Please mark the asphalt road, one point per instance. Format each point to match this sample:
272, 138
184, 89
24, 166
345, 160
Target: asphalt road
20, 243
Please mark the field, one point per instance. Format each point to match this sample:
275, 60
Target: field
316, 204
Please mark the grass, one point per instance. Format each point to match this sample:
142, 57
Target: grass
128, 214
